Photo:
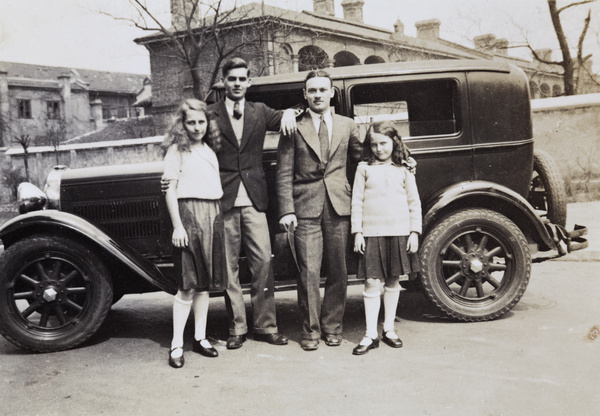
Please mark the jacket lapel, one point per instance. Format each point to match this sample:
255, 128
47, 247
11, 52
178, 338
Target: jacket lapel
306, 128
225, 124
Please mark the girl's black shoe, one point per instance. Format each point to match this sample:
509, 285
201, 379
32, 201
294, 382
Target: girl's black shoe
176, 362
392, 342
363, 349
207, 352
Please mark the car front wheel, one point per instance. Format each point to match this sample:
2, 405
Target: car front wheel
56, 293
476, 265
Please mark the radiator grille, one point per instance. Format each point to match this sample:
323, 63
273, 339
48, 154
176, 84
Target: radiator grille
125, 219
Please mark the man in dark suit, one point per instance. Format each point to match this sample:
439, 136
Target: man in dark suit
243, 126
315, 167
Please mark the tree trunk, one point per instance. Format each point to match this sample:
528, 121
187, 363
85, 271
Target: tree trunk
567, 62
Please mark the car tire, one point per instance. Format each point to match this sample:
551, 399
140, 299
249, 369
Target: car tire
56, 293
547, 192
475, 265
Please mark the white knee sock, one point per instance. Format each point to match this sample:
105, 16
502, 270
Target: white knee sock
372, 303
181, 311
390, 305
200, 314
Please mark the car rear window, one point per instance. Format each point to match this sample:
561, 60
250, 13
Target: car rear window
417, 108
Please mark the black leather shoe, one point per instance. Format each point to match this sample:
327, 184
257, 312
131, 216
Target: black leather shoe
309, 344
363, 349
207, 352
274, 339
176, 362
392, 342
332, 340
235, 341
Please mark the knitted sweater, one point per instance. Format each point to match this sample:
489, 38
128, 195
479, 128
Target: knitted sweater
385, 201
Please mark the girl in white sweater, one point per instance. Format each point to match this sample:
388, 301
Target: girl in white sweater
386, 223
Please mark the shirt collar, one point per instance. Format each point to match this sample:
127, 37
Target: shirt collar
229, 105
317, 116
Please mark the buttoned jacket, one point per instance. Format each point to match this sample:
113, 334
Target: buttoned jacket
242, 162
304, 180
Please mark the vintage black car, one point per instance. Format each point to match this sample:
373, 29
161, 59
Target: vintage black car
489, 200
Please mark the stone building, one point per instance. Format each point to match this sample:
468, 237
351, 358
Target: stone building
35, 99
290, 41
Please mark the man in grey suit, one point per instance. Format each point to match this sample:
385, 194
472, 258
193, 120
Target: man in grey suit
315, 167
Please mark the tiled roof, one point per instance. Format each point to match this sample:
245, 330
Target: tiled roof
93, 80
121, 129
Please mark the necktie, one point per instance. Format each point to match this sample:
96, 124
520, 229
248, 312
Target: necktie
324, 139
237, 114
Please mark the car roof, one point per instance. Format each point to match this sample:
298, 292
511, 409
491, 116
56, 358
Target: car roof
390, 68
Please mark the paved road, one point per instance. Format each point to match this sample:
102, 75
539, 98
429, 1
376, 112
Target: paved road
542, 358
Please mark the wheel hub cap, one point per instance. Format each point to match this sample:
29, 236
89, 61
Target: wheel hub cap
50, 294
474, 266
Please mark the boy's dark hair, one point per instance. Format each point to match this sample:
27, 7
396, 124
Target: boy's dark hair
318, 73
235, 62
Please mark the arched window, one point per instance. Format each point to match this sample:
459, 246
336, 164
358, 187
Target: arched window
545, 91
285, 63
534, 90
374, 59
312, 57
556, 90
345, 58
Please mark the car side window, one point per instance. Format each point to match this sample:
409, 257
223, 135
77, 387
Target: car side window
417, 108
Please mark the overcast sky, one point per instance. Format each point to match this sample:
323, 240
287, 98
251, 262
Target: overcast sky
71, 33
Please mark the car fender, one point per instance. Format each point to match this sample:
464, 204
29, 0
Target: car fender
493, 196
54, 221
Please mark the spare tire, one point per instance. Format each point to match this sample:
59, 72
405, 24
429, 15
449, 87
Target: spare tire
547, 190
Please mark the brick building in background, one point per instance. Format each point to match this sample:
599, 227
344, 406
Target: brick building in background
35, 99
293, 41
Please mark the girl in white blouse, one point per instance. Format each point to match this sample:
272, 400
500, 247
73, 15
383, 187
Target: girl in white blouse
386, 223
192, 169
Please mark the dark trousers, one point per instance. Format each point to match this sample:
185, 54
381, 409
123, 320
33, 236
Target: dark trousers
247, 226
322, 240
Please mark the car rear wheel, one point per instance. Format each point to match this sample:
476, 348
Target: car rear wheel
547, 190
475, 265
56, 293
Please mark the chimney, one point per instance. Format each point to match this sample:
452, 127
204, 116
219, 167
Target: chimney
428, 29
4, 109
353, 10
398, 30
502, 46
65, 93
180, 10
544, 54
485, 42
96, 106
324, 7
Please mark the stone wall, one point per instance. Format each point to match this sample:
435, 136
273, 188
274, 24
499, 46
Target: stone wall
41, 159
568, 128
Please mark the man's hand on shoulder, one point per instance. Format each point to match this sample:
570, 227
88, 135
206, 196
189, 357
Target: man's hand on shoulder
288, 122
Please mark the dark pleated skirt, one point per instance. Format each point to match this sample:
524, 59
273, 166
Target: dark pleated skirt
201, 265
386, 258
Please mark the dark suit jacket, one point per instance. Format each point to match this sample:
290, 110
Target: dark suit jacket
302, 183
244, 162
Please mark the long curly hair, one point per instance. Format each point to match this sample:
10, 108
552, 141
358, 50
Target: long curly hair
400, 152
176, 133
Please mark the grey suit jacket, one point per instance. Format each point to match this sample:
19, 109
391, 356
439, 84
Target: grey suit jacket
303, 182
